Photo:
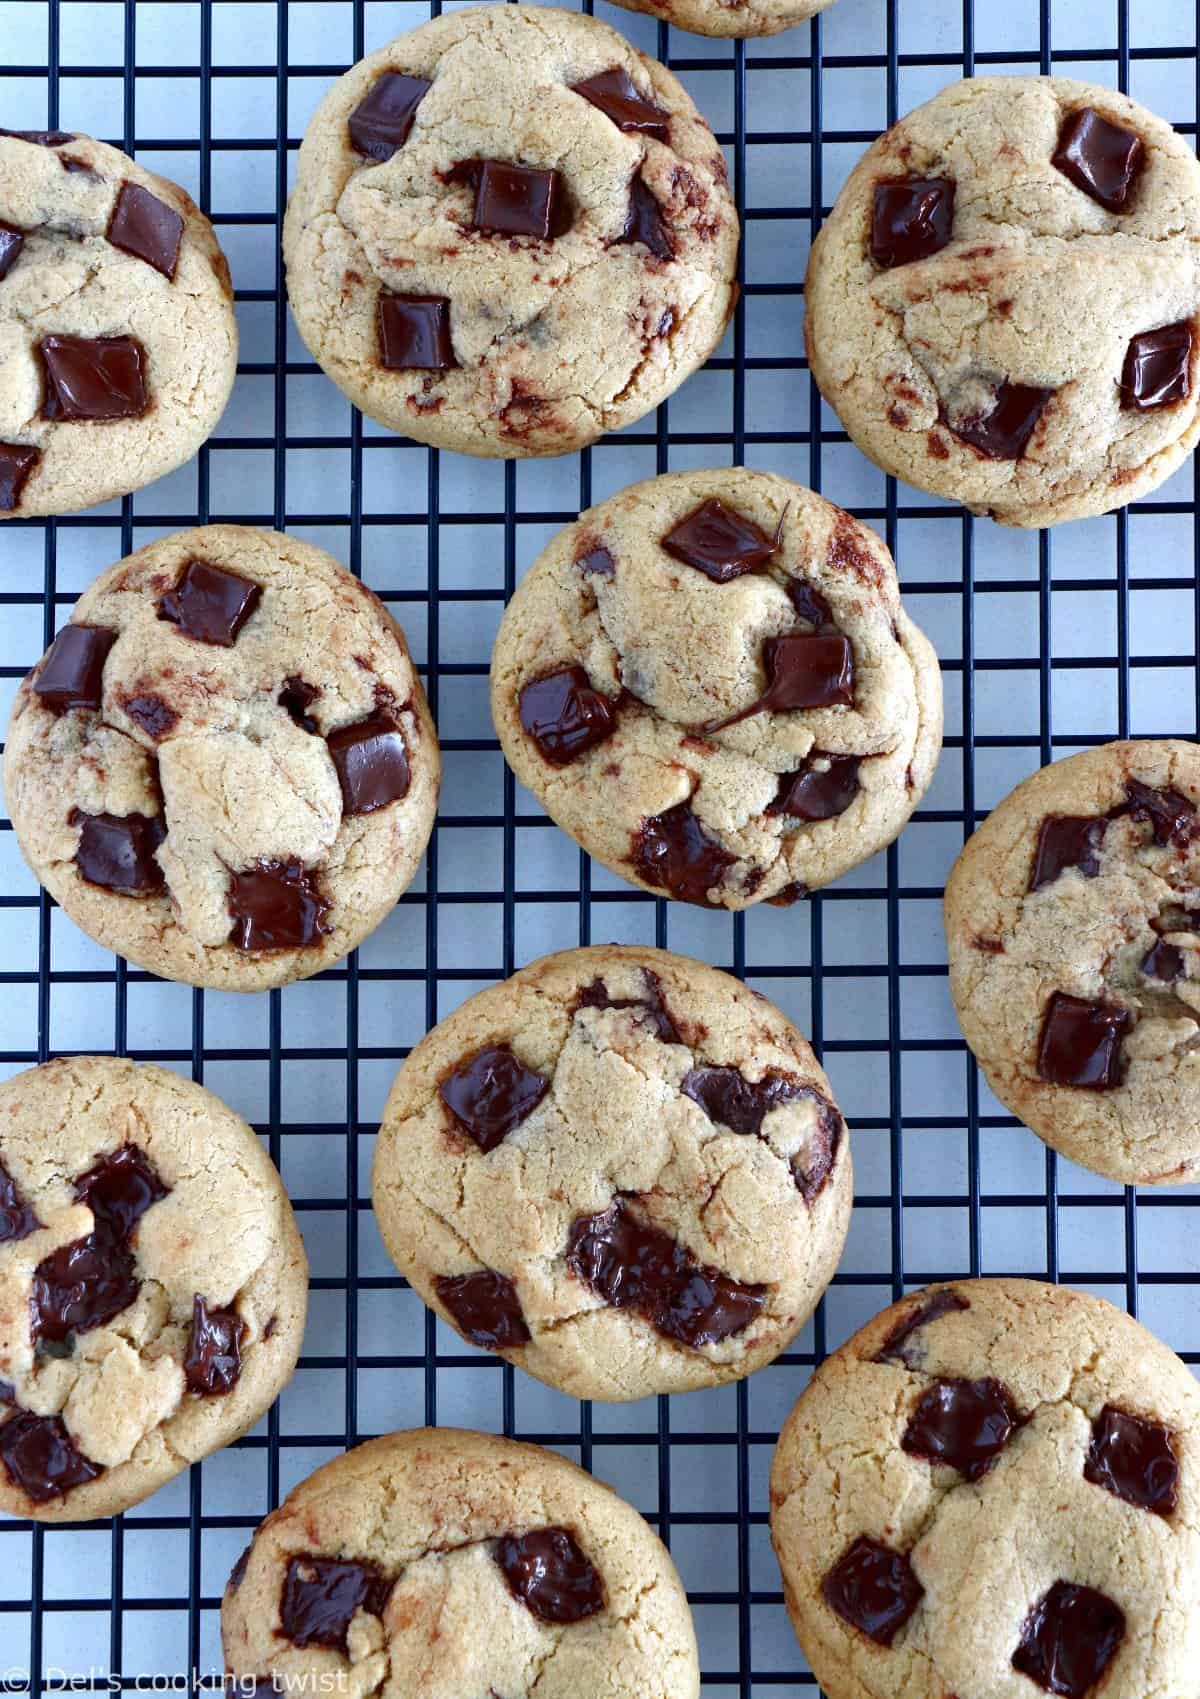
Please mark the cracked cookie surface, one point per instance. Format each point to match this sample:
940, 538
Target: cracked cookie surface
1002, 306
152, 1284
118, 342
1073, 928
620, 1168
710, 683
510, 233
224, 767
729, 17
443, 1563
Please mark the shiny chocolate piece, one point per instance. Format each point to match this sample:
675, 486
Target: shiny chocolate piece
12, 241
911, 219
381, 122
1163, 961
564, 715
896, 1347
613, 92
41, 1458
804, 670
719, 543
822, 789
742, 1105
276, 905
209, 604
652, 1010
634, 1266
874, 1589
1099, 157
810, 605
119, 1189
1135, 1460
214, 1357
321, 1595
1067, 840
297, 697
414, 333
1003, 432
147, 228
644, 222
93, 378
491, 1093
72, 673
152, 715
371, 762
116, 851
1081, 1043
1069, 1639
550, 1574
963, 1423
17, 1220
17, 461
1171, 816
1158, 368
485, 1307
514, 200
40, 138
673, 852
597, 561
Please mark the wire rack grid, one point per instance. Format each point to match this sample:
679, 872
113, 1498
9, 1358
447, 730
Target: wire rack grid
1048, 643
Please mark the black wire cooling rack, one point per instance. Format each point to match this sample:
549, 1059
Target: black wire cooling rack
1048, 643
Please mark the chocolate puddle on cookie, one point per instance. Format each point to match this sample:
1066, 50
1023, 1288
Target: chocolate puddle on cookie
550, 1573
564, 715
485, 1308
874, 1589
653, 1012
491, 1093
321, 1597
213, 1363
41, 1458
742, 1105
277, 905
673, 852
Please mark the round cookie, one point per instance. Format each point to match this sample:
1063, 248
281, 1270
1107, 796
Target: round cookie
224, 767
510, 233
621, 1169
993, 1490
710, 683
152, 1284
1073, 927
729, 17
1002, 305
118, 342
445, 1563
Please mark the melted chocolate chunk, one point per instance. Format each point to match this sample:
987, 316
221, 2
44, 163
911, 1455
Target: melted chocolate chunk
1171, 816
116, 851
1099, 157
1158, 368
321, 1595
297, 696
564, 715
652, 1008
810, 604
209, 604
1163, 961
119, 1189
615, 95
895, 1348
147, 228
818, 792
72, 673
12, 241
214, 1358
742, 1105
491, 1093
597, 560
874, 1589
1067, 840
719, 543
40, 138
550, 1574
804, 670
276, 905
93, 378
484, 1307
371, 763
1134, 1459
381, 122
41, 1457
965, 1423
414, 333
644, 222
17, 1220
634, 1266
514, 200
673, 852
17, 462
154, 716
911, 219
1069, 1639
1003, 432
1081, 1043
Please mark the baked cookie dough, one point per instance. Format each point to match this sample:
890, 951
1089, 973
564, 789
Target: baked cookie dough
118, 342
729, 17
224, 767
621, 1169
1002, 306
993, 1491
452, 1565
1073, 926
152, 1284
510, 233
710, 683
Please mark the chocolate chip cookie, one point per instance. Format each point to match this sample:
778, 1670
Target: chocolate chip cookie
224, 767
622, 1170
729, 17
118, 342
1003, 304
510, 233
993, 1490
449, 1564
1073, 926
152, 1284
710, 683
